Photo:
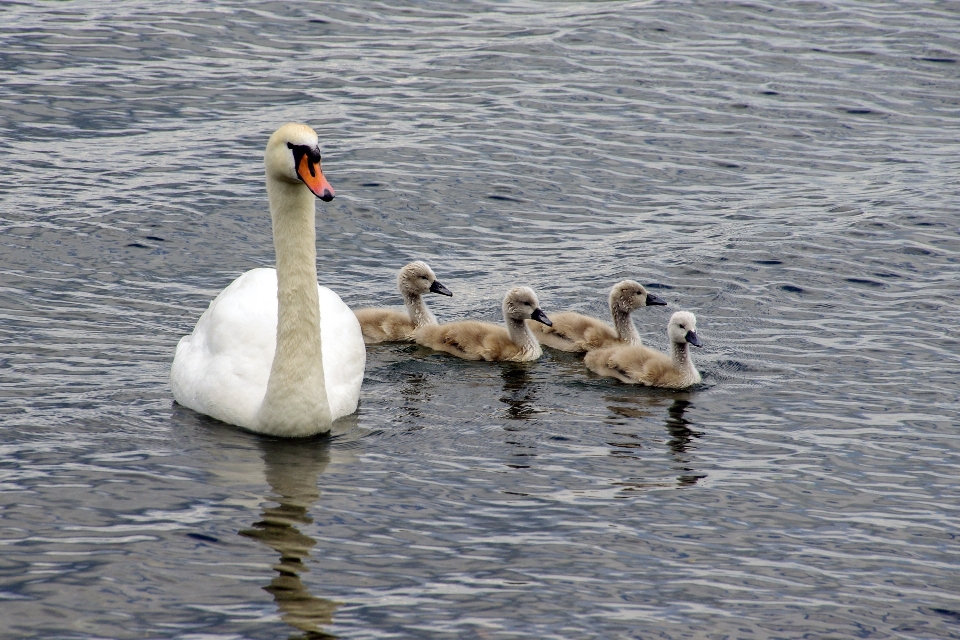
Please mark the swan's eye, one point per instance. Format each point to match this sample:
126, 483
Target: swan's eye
682, 327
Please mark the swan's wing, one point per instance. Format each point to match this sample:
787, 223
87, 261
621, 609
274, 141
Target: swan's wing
344, 354
222, 368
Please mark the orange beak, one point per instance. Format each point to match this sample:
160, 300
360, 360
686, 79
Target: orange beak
312, 176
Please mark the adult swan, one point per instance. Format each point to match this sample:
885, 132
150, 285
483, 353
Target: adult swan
275, 353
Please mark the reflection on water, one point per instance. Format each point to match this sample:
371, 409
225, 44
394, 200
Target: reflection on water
681, 436
518, 395
628, 410
789, 175
415, 393
292, 471
517, 392
630, 407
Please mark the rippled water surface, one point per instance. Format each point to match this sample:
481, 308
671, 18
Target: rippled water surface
788, 171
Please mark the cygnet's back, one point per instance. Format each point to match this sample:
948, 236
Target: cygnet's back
474, 340
642, 365
577, 333
394, 325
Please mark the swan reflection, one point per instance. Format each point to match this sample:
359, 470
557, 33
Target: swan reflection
517, 392
292, 471
625, 410
415, 393
681, 437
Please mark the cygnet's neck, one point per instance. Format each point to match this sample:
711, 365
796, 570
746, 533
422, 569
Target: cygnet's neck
623, 324
296, 399
680, 352
419, 313
522, 336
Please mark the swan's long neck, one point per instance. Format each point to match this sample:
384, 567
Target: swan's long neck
296, 399
522, 336
680, 353
623, 324
419, 313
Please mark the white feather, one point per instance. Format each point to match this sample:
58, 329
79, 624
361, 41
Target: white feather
222, 368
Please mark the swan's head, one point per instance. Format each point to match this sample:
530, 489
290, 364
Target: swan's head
626, 296
293, 155
683, 329
417, 278
521, 303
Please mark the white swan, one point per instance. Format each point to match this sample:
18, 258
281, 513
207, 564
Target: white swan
290, 378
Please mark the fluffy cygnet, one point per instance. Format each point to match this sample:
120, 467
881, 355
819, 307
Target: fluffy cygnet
393, 325
577, 333
642, 365
474, 340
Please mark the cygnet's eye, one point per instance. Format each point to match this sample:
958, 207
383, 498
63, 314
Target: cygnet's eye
682, 327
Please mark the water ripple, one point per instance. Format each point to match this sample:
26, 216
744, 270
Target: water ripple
786, 172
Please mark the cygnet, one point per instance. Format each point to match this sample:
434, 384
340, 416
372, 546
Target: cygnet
642, 365
393, 325
577, 333
473, 340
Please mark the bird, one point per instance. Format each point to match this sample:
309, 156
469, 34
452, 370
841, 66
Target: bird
577, 333
392, 325
276, 353
473, 340
642, 365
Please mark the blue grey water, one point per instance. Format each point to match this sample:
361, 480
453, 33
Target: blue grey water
788, 171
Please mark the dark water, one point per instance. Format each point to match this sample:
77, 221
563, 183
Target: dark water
789, 172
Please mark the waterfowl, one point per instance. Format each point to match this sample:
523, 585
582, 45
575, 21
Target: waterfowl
391, 325
577, 333
473, 340
275, 353
642, 365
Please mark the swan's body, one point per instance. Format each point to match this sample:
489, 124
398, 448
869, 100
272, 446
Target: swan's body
275, 353
642, 365
392, 325
223, 367
473, 340
577, 333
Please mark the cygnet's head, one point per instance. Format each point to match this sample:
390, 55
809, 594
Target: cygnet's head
293, 155
682, 329
627, 296
417, 278
521, 303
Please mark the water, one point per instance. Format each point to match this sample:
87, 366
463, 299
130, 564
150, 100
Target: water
787, 172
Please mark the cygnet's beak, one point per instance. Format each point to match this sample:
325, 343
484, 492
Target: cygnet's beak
655, 300
692, 338
540, 316
312, 176
436, 287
